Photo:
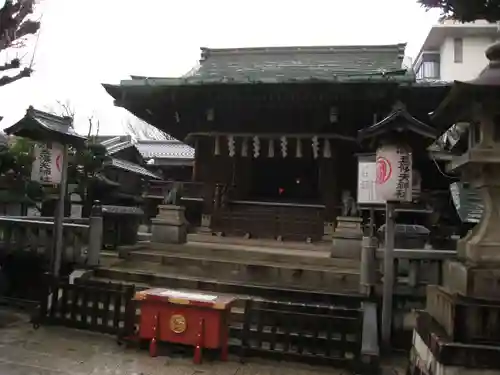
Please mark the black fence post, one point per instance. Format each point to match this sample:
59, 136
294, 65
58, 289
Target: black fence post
245, 334
39, 316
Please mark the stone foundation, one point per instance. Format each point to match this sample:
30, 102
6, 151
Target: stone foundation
433, 353
170, 226
346, 241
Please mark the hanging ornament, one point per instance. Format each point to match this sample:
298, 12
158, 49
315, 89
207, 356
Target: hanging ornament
217, 146
231, 145
256, 147
298, 152
270, 148
327, 152
210, 114
315, 146
284, 145
244, 148
334, 115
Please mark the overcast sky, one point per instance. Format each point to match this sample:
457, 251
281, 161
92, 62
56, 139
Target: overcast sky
86, 42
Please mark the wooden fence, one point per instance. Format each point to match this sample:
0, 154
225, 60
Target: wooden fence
284, 331
317, 334
98, 308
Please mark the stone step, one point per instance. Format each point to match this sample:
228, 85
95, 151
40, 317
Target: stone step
183, 282
313, 278
322, 246
188, 255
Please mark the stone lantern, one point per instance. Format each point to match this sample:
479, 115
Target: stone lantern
461, 324
477, 272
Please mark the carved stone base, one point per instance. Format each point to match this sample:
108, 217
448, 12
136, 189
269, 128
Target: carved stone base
472, 280
433, 352
464, 319
170, 226
328, 230
346, 240
206, 222
482, 243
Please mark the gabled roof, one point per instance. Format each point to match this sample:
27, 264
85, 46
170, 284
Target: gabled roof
169, 149
44, 126
398, 120
298, 63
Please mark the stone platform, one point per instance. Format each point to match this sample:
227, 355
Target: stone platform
301, 266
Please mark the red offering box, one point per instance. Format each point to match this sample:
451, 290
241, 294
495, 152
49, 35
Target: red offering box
189, 318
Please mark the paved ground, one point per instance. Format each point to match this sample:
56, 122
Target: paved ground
60, 351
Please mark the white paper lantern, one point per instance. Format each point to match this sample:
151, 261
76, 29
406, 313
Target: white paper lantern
394, 173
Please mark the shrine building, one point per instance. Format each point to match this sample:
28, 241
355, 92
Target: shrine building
275, 130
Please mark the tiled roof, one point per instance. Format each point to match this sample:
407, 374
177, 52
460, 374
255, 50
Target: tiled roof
165, 150
115, 144
39, 125
298, 63
131, 167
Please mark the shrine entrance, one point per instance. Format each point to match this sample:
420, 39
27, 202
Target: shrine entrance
285, 180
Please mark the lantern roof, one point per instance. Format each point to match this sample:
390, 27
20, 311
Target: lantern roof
458, 104
46, 127
398, 120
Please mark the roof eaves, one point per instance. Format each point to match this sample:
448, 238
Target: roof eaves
131, 167
412, 124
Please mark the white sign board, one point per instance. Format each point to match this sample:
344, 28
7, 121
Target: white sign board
47, 166
394, 174
367, 175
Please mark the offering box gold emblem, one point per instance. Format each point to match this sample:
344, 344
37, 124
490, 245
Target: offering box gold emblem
178, 323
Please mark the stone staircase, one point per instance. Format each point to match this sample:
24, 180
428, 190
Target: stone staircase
232, 265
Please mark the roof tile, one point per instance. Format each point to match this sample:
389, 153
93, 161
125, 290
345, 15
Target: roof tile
165, 149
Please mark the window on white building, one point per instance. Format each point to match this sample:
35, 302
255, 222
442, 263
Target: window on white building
458, 50
430, 67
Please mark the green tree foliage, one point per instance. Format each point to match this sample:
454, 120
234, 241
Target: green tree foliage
466, 10
84, 166
16, 159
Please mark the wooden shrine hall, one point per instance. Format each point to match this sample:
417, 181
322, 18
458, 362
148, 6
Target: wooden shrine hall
275, 130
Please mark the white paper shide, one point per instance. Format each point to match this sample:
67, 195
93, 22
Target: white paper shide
394, 173
47, 165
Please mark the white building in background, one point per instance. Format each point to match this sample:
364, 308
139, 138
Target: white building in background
455, 51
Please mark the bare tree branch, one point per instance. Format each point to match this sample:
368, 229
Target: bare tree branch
14, 27
5, 80
65, 109
14, 24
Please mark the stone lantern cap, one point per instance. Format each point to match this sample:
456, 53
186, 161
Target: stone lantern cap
458, 105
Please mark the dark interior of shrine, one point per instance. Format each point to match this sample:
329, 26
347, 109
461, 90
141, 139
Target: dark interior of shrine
293, 180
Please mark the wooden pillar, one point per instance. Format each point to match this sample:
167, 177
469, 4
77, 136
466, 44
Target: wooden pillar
328, 187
